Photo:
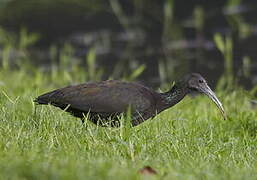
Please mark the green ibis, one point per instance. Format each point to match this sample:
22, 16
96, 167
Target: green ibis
104, 101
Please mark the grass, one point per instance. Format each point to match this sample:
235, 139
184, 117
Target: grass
188, 141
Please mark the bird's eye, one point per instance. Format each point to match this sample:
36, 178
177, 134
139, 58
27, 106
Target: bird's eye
200, 81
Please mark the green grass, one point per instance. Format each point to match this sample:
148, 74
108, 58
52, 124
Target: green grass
188, 141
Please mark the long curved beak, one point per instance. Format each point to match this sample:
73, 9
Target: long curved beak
207, 91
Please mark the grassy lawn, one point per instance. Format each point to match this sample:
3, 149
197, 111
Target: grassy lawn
188, 141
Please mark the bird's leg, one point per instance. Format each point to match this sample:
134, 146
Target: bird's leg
84, 117
83, 120
137, 118
83, 123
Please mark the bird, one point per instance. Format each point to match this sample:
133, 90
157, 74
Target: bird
103, 102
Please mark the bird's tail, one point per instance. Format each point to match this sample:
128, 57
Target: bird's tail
45, 98
40, 100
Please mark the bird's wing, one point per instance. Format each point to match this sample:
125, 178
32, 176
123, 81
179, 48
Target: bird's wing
107, 96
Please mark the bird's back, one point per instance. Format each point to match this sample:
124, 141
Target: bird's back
104, 98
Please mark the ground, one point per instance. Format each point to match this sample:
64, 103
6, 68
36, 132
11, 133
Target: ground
187, 141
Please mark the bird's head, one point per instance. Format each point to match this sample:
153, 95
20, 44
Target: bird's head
195, 82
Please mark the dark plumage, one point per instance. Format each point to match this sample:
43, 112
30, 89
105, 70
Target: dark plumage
103, 101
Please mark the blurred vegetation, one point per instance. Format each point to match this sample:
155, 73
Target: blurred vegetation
156, 42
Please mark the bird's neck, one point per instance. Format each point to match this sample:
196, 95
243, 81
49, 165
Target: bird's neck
173, 96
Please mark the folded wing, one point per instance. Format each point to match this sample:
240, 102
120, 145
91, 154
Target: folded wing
103, 97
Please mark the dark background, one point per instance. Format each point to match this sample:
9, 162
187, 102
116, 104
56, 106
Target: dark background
169, 37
